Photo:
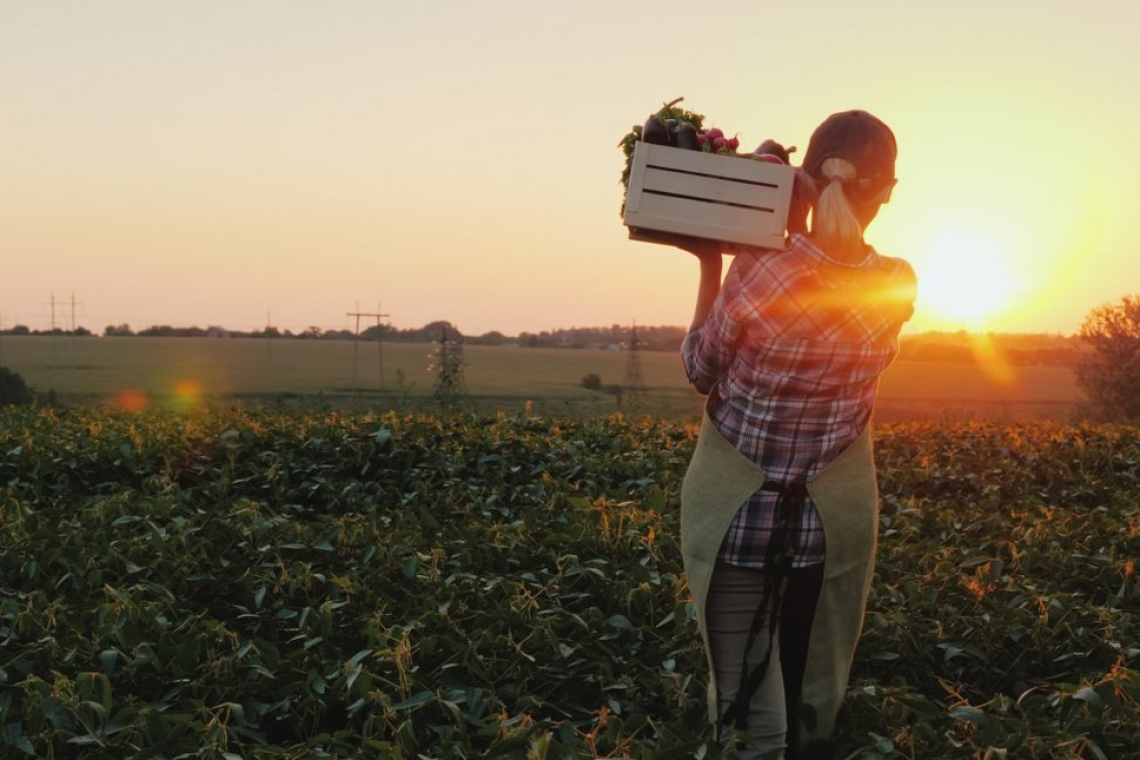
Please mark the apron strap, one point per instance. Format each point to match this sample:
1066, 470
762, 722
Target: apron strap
778, 558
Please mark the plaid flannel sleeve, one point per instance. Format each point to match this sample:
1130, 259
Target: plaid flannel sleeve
708, 351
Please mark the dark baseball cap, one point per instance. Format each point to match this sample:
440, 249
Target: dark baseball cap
860, 138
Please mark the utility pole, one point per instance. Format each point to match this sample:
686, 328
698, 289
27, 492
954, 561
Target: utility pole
356, 341
52, 333
74, 350
634, 385
269, 336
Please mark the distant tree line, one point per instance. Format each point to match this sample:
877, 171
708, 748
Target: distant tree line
426, 334
25, 330
615, 336
956, 347
1012, 349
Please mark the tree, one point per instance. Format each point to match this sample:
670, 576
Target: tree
592, 382
13, 390
1109, 373
448, 366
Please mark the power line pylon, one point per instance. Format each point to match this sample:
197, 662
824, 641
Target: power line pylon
356, 341
634, 385
270, 333
56, 330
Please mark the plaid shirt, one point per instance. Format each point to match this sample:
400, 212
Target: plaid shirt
790, 357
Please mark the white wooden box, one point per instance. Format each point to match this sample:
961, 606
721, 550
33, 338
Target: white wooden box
728, 198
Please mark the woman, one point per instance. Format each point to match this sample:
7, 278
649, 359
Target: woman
779, 504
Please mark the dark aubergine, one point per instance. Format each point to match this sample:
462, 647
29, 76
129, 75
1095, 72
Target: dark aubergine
687, 137
654, 131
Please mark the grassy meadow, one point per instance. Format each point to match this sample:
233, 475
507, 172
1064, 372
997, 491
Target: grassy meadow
136, 371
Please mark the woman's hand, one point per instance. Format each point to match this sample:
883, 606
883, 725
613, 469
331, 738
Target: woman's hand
702, 248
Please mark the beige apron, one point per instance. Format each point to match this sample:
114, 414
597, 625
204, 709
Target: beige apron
719, 480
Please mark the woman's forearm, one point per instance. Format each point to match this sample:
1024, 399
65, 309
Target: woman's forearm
708, 289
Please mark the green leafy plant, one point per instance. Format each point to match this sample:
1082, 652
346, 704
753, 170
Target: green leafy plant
222, 584
13, 390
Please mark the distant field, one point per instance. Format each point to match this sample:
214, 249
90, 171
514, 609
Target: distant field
948, 390
156, 370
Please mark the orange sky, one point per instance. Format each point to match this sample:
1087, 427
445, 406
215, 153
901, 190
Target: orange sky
272, 161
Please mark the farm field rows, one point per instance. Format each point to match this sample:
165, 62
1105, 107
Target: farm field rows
397, 375
338, 585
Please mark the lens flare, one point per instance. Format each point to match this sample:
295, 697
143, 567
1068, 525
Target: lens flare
991, 359
187, 394
131, 400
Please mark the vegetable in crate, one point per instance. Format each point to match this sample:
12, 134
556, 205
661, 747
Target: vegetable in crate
670, 110
655, 131
770, 149
688, 137
715, 141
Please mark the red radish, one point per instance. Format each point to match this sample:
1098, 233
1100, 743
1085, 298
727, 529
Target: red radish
714, 132
719, 143
733, 143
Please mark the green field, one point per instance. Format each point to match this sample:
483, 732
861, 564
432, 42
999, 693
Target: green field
397, 375
312, 585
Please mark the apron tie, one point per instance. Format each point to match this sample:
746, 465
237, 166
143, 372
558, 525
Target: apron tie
782, 546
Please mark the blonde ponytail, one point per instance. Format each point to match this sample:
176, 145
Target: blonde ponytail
833, 222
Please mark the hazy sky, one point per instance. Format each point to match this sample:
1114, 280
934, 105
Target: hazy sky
245, 162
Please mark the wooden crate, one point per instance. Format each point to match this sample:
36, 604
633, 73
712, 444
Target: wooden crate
706, 195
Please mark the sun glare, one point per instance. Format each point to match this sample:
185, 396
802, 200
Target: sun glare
963, 282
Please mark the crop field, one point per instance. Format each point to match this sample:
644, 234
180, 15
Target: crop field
229, 583
137, 371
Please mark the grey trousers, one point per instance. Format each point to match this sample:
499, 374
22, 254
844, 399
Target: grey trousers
734, 595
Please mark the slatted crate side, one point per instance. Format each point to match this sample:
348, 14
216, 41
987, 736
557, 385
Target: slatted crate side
701, 187
726, 198
715, 221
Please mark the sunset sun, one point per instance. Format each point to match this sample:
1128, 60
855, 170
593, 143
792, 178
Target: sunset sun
964, 282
